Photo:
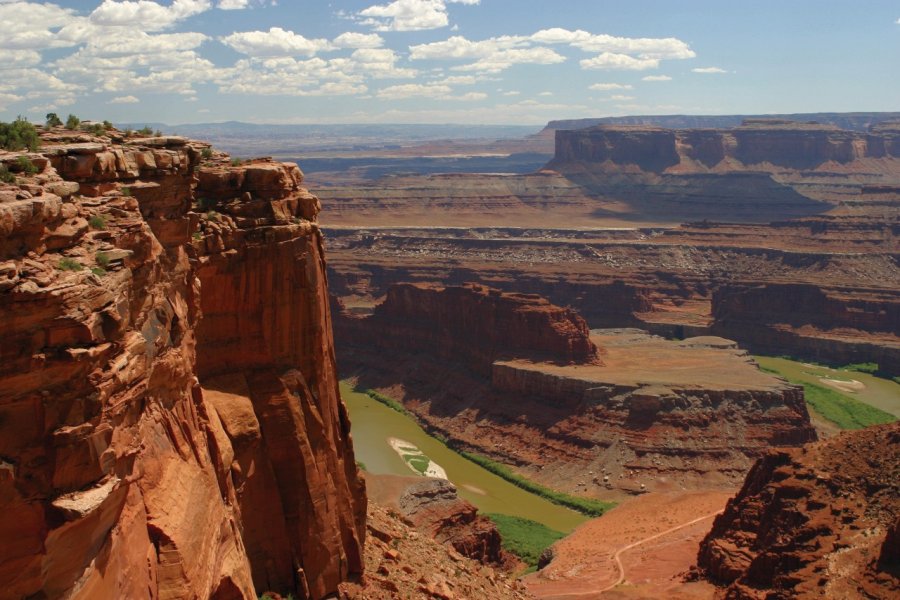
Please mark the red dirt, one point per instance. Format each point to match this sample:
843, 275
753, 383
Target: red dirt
655, 536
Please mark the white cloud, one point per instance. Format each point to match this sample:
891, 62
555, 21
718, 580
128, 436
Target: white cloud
406, 15
460, 47
352, 39
545, 94
124, 100
429, 90
493, 54
10, 59
459, 80
605, 87
410, 15
624, 62
379, 63
503, 59
659, 48
469, 97
414, 90
498, 53
28, 26
275, 42
620, 97
146, 15
241, 4
709, 70
6, 99
656, 78
287, 76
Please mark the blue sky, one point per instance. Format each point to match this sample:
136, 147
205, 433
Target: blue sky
443, 61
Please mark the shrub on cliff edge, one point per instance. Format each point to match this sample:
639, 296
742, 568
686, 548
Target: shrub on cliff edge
19, 135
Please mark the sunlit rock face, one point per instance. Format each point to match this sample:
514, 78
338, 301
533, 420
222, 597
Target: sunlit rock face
120, 476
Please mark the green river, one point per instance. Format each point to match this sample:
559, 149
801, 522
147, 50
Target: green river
374, 424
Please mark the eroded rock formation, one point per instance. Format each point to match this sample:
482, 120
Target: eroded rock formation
845, 326
121, 477
765, 144
651, 415
478, 325
435, 508
402, 562
819, 521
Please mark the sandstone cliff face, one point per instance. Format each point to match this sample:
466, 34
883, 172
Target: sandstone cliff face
266, 335
813, 522
843, 326
477, 325
120, 477
763, 170
757, 143
653, 414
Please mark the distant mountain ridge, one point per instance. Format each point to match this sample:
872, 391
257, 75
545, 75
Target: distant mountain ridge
251, 139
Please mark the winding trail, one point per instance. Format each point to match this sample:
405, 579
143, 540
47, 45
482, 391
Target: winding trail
617, 557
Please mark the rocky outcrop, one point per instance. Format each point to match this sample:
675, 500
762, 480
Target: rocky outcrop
813, 522
478, 325
121, 477
762, 170
856, 121
434, 507
670, 281
841, 326
652, 415
756, 142
266, 328
402, 562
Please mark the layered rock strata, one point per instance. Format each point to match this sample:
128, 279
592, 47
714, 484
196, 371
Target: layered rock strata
435, 508
668, 280
765, 144
478, 325
763, 170
652, 415
120, 477
815, 522
843, 326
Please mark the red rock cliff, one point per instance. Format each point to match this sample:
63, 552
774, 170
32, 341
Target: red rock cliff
119, 476
478, 325
764, 144
813, 522
843, 326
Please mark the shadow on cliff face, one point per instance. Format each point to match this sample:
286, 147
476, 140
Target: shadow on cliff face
420, 380
735, 197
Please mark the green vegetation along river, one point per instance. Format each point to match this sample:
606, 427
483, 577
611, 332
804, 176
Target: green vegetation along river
836, 394
374, 424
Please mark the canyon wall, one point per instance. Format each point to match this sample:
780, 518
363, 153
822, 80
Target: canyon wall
834, 325
819, 521
763, 143
477, 325
121, 476
650, 415
762, 170
855, 121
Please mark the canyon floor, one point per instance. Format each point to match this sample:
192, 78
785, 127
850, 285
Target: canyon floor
639, 550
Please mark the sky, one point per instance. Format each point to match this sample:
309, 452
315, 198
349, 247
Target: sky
520, 62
